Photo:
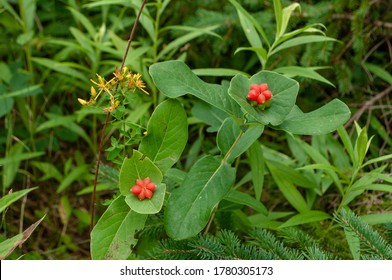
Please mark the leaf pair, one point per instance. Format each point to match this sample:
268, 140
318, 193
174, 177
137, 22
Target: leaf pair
174, 79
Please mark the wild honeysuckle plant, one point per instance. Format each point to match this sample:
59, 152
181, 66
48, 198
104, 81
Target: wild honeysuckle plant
189, 208
186, 200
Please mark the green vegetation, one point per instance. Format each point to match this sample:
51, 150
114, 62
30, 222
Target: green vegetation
306, 175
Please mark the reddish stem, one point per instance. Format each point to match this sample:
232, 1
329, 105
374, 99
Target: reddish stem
93, 194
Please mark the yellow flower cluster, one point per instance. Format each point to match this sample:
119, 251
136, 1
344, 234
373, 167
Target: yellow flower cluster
124, 80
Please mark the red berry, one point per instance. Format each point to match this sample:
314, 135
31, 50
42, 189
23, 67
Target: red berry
151, 186
148, 193
142, 195
136, 190
143, 188
263, 87
253, 95
261, 99
267, 94
255, 87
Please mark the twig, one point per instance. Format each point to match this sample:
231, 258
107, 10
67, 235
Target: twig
366, 105
92, 206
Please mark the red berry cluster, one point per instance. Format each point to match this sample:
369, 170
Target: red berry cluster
143, 188
259, 93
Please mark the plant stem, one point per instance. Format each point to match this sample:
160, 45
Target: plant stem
92, 210
233, 146
93, 194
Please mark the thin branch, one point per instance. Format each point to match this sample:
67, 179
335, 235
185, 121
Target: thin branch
366, 105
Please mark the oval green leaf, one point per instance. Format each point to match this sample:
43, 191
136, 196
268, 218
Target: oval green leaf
148, 206
137, 167
284, 92
321, 121
190, 206
227, 136
175, 78
114, 235
167, 134
306, 217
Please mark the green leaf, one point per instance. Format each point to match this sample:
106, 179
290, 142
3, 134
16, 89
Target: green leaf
378, 187
286, 186
114, 235
361, 147
249, 30
84, 21
257, 167
261, 53
11, 169
377, 159
6, 103
67, 122
228, 134
146, 20
175, 78
310, 216
322, 166
28, 91
251, 34
354, 243
268, 221
28, 12
11, 162
190, 206
300, 41
147, 206
284, 92
307, 72
246, 199
364, 183
60, 67
278, 17
7, 7
286, 14
76, 174
346, 142
308, 28
318, 158
217, 72
295, 176
84, 42
9, 245
20, 157
380, 128
137, 167
246, 20
10, 198
209, 115
321, 121
167, 134
190, 35
380, 72
380, 218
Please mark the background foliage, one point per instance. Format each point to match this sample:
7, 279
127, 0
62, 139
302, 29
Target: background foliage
51, 49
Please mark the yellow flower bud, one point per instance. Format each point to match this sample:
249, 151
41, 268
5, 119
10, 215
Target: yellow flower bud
83, 102
93, 92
